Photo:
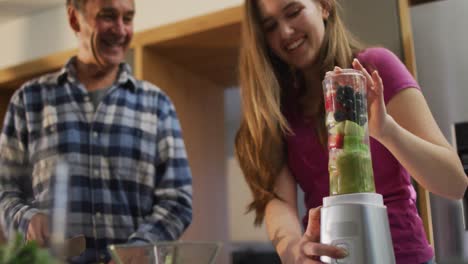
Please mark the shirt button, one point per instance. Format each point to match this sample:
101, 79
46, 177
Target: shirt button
95, 134
96, 172
86, 98
98, 215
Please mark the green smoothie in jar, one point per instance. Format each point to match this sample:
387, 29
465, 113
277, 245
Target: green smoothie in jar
350, 163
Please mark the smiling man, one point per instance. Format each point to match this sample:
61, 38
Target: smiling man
129, 176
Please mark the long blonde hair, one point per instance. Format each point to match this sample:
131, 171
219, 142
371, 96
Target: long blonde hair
259, 145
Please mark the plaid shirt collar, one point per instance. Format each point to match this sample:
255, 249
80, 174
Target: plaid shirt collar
124, 76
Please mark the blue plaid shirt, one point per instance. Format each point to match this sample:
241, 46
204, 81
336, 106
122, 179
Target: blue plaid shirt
129, 175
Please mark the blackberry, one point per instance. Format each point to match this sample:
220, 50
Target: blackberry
361, 106
348, 91
352, 116
359, 96
353, 103
340, 98
340, 90
358, 112
348, 104
362, 120
340, 116
358, 101
340, 94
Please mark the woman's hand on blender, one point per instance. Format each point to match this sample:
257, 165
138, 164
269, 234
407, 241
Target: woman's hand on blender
377, 111
308, 249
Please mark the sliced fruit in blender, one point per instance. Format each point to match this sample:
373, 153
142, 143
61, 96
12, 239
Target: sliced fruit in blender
330, 120
352, 143
334, 176
353, 129
335, 141
355, 172
329, 102
337, 128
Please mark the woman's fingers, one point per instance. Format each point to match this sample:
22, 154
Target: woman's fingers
336, 69
312, 250
378, 87
307, 260
312, 261
358, 66
313, 226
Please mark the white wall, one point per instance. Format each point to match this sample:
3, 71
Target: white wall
441, 38
47, 32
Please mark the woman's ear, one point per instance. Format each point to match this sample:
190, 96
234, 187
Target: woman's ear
73, 19
325, 14
326, 6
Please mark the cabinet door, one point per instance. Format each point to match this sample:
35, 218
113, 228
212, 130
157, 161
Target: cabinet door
375, 22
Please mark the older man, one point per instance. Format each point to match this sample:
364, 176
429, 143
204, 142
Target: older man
130, 180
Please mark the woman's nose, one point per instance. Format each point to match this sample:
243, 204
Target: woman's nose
286, 29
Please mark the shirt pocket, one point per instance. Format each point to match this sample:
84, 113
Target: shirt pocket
44, 136
42, 181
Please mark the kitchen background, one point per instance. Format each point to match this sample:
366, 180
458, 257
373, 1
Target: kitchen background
440, 38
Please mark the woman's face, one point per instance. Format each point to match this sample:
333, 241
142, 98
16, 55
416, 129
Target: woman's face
294, 29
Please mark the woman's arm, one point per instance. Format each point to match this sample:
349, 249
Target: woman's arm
284, 229
281, 217
406, 127
416, 141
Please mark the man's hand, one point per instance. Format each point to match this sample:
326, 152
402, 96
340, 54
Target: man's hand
38, 229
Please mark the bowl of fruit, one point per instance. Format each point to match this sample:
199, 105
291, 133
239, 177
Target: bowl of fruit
175, 252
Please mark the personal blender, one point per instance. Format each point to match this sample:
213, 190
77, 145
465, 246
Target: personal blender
354, 216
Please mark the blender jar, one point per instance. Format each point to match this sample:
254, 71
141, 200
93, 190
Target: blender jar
350, 163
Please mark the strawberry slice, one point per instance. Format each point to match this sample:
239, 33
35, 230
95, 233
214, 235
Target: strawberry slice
329, 101
335, 141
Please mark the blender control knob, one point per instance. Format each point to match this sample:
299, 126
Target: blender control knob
345, 260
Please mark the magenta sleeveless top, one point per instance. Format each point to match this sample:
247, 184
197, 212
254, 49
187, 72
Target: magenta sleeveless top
308, 162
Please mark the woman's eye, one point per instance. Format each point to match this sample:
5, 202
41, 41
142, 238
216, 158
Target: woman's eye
268, 27
293, 12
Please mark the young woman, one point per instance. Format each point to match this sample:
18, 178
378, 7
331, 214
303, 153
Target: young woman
287, 47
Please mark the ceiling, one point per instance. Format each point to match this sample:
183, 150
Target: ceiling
12, 9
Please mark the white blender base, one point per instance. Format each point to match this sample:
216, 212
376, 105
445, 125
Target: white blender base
357, 222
